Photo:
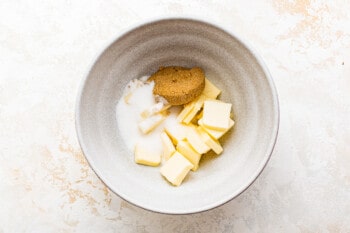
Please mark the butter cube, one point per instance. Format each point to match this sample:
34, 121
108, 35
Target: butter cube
216, 133
198, 104
156, 108
186, 149
216, 114
168, 147
190, 116
176, 168
176, 131
212, 143
148, 124
185, 111
195, 141
145, 156
210, 90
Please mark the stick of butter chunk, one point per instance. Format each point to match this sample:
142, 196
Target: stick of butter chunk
210, 90
145, 156
176, 168
198, 104
216, 114
186, 149
168, 147
211, 142
148, 124
185, 111
195, 141
176, 131
216, 133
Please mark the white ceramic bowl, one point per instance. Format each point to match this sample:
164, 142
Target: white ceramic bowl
229, 63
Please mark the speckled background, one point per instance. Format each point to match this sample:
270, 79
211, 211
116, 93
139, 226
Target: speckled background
47, 186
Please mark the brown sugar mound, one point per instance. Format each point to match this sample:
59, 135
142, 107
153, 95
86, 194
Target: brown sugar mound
178, 85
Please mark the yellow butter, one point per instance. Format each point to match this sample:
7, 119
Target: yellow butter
154, 109
210, 90
186, 150
212, 143
185, 111
190, 116
176, 168
168, 147
150, 123
216, 133
198, 104
195, 141
216, 114
143, 155
176, 131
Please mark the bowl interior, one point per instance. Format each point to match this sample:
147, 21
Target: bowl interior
229, 64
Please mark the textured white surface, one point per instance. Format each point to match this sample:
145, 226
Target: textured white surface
46, 184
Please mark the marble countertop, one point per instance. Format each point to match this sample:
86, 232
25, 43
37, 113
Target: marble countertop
46, 184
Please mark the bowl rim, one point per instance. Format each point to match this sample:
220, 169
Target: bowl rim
243, 42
